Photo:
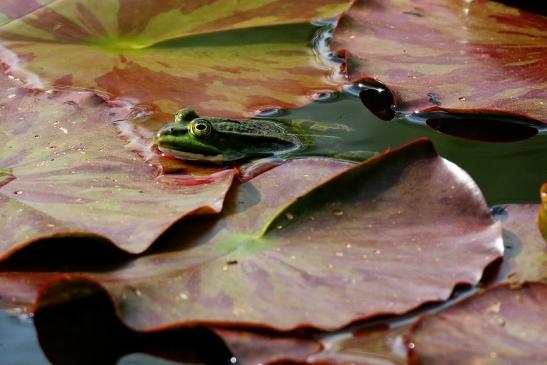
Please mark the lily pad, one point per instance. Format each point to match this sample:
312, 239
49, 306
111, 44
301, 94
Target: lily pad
526, 249
501, 326
85, 310
542, 218
373, 345
70, 175
383, 237
209, 55
451, 55
13, 9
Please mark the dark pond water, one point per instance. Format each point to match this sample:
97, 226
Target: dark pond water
506, 172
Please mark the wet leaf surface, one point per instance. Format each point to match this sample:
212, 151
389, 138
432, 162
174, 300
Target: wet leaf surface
335, 246
463, 56
501, 326
209, 55
376, 345
526, 249
85, 311
70, 175
14, 9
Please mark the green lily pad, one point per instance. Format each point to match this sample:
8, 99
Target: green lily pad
501, 326
383, 237
456, 56
70, 175
211, 55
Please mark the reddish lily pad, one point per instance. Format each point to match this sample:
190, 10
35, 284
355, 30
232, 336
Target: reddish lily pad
450, 55
86, 312
542, 217
501, 326
526, 249
383, 237
373, 345
70, 175
161, 52
80, 326
13, 9
255, 348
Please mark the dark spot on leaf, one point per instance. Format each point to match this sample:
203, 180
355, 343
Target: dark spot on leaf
499, 213
231, 262
415, 13
433, 98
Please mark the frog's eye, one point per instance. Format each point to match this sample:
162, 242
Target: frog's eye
200, 127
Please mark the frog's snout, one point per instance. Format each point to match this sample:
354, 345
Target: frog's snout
170, 131
165, 132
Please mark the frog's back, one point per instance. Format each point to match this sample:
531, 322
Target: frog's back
256, 127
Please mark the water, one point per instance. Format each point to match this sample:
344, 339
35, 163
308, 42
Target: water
18, 342
505, 172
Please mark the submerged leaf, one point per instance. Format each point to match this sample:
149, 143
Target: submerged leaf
501, 326
450, 55
383, 237
210, 55
70, 175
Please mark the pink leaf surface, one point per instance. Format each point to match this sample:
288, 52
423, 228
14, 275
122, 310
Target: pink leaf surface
174, 53
450, 55
526, 247
501, 326
70, 175
382, 237
14, 9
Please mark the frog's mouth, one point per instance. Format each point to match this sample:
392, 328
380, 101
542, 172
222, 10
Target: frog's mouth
196, 156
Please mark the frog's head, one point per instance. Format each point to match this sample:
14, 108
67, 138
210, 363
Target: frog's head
193, 140
220, 140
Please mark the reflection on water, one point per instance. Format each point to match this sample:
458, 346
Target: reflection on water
142, 359
506, 172
18, 342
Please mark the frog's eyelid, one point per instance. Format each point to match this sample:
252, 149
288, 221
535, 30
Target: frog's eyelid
185, 115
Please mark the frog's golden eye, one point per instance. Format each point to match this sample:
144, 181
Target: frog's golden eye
200, 127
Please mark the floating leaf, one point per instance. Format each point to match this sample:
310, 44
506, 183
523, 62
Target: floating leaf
210, 55
500, 326
450, 55
13, 9
384, 237
255, 348
542, 218
96, 335
375, 345
70, 175
526, 249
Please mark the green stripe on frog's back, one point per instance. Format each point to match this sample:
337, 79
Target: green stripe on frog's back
258, 131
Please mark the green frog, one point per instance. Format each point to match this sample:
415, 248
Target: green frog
221, 140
